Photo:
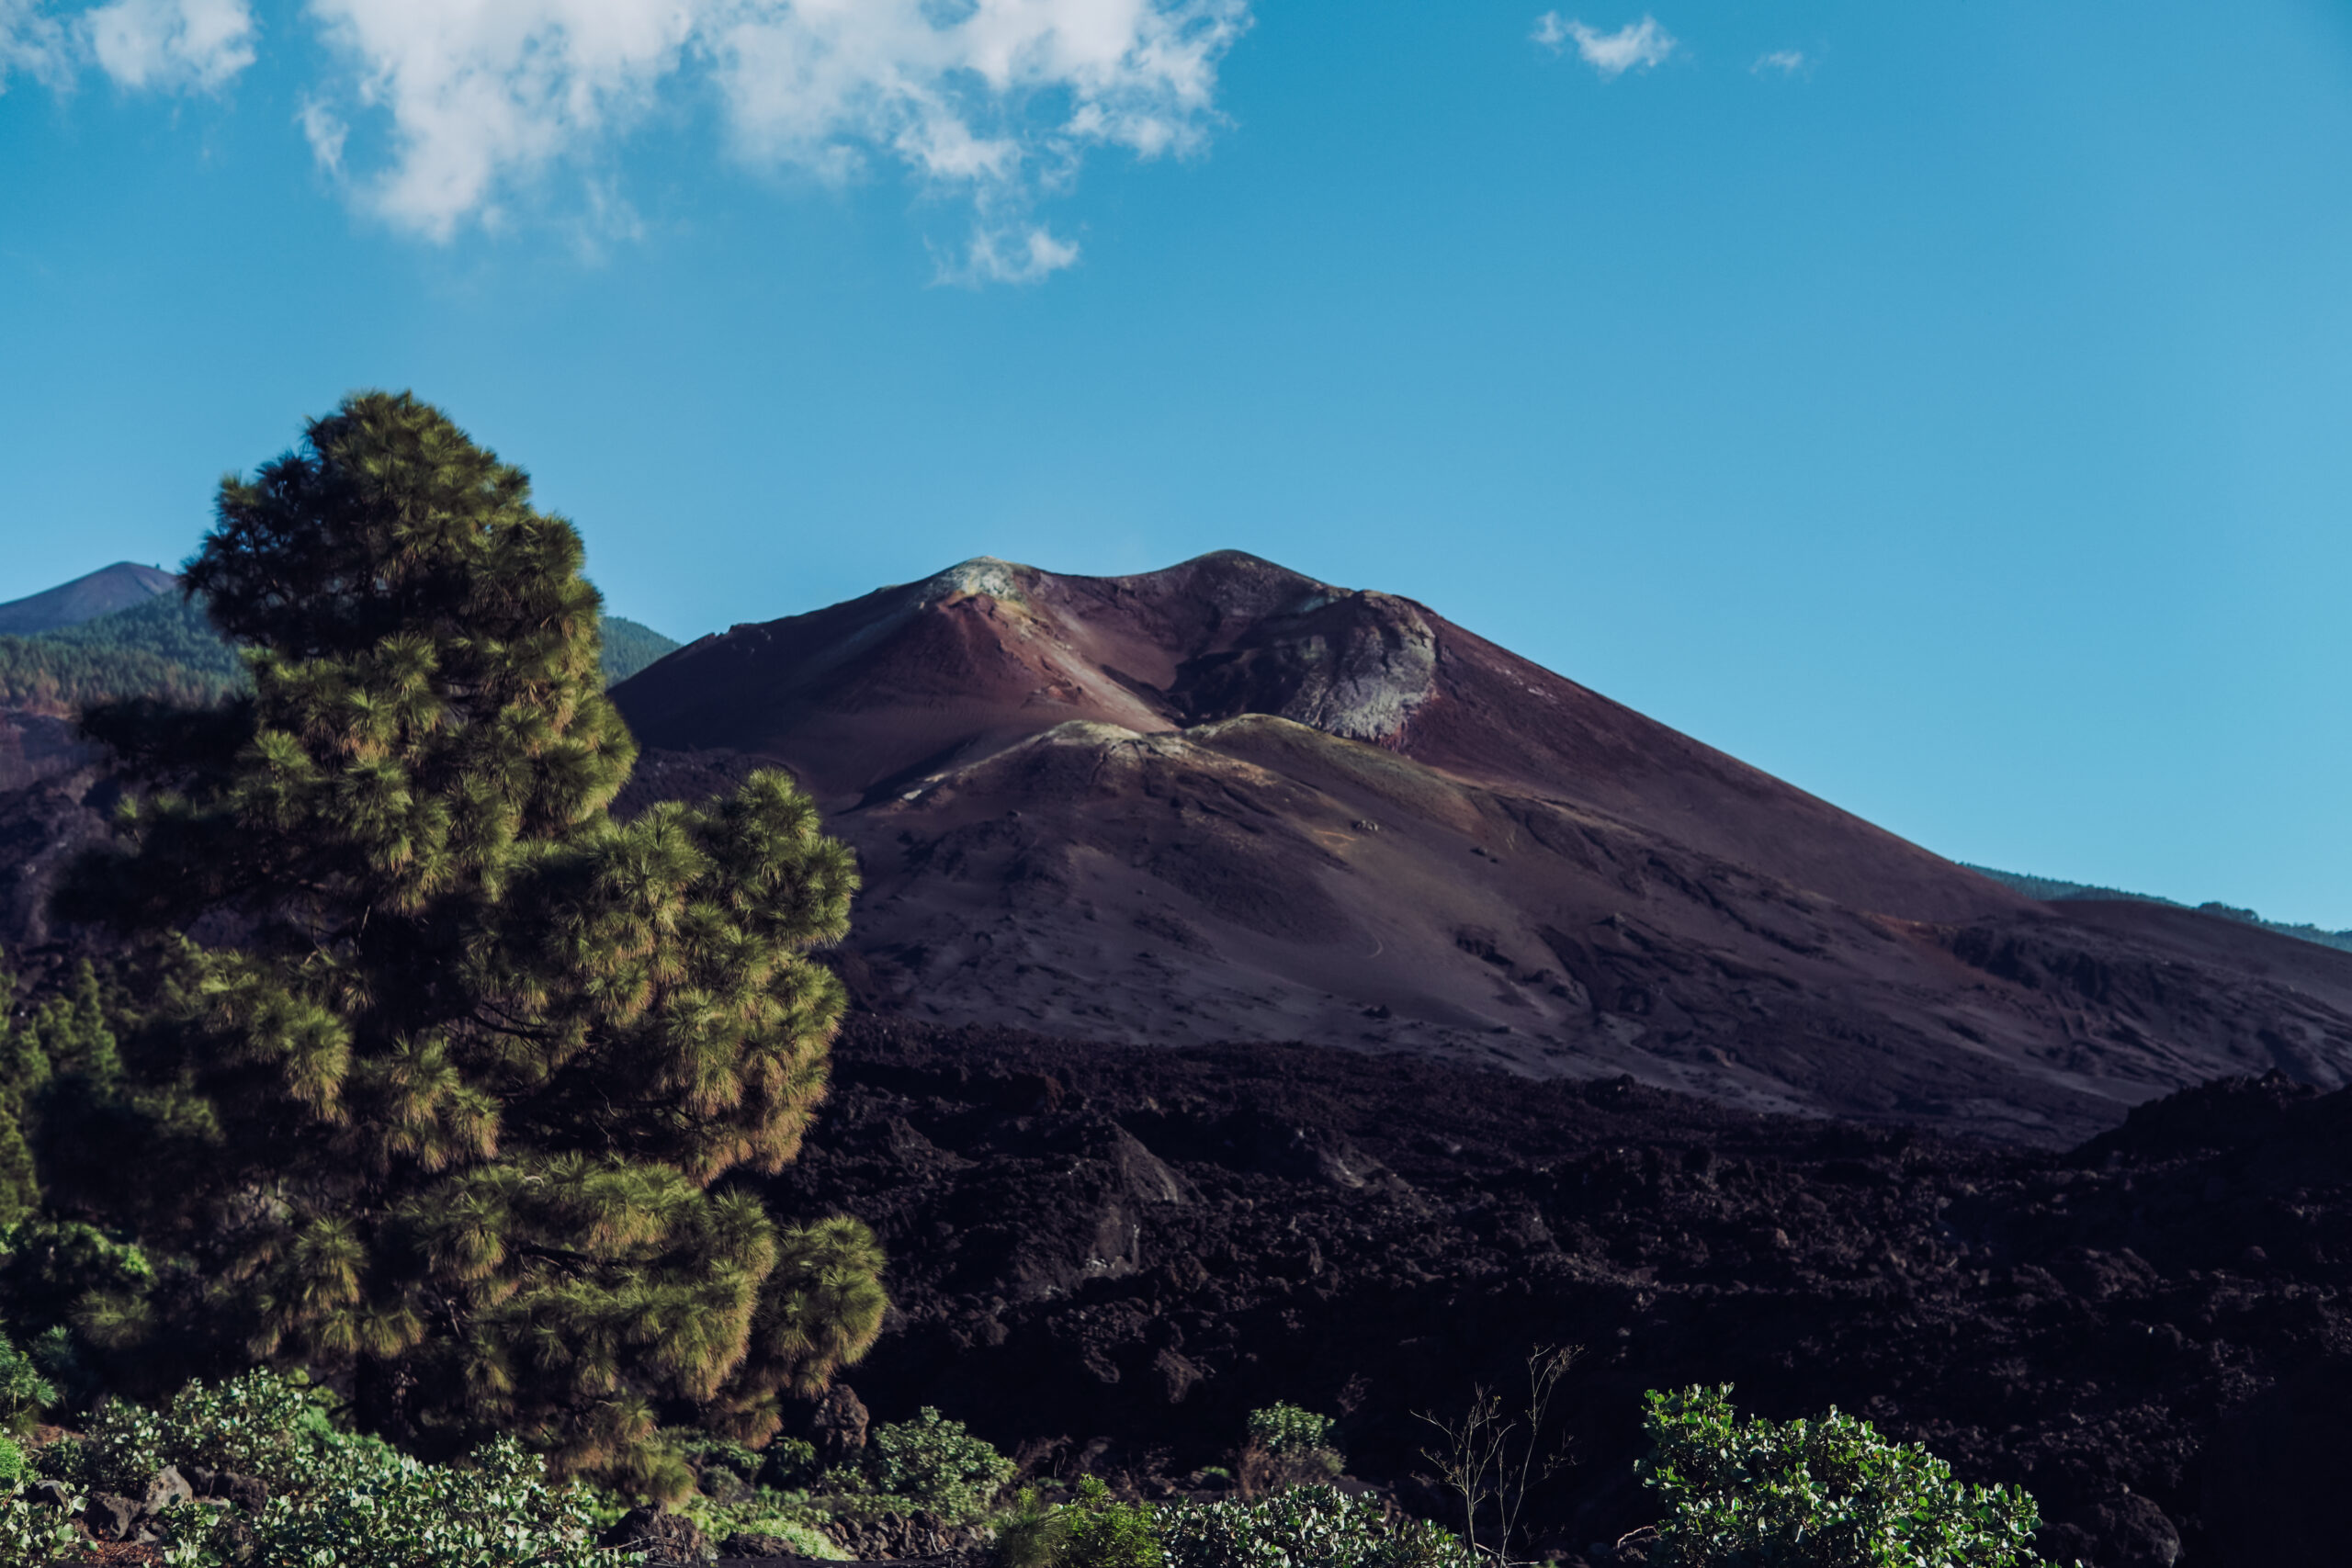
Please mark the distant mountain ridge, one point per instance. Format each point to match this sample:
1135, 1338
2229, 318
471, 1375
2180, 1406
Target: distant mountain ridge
100, 592
2053, 890
126, 631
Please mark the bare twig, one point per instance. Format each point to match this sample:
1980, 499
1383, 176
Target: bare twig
1491, 1462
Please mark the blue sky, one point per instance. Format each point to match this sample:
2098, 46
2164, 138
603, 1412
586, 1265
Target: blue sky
1947, 407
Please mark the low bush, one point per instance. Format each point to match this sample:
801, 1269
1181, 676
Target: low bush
1287, 1446
1307, 1527
936, 1464
788, 1464
1289, 1429
1091, 1530
25, 1394
1825, 1493
270, 1424
723, 1471
32, 1536
800, 1538
1318, 1525
337, 1499
264, 1424
370, 1507
790, 1515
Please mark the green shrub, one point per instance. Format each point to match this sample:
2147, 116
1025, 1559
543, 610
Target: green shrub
1091, 1530
1284, 1429
12, 1466
1825, 1494
1102, 1532
804, 1538
370, 1507
24, 1392
1307, 1525
1031, 1535
1287, 1447
67, 1459
266, 1423
122, 1445
32, 1536
936, 1464
788, 1463
794, 1516
336, 1498
64, 1272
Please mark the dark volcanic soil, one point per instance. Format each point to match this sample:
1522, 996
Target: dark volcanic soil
1106, 1256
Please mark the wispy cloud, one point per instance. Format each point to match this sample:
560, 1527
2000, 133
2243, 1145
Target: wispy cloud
440, 114
1635, 46
324, 131
1787, 62
186, 44
23, 44
158, 45
993, 104
995, 256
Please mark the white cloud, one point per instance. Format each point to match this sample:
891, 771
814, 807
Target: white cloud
324, 131
476, 92
995, 255
1635, 46
196, 44
166, 45
31, 43
440, 114
1787, 62
993, 102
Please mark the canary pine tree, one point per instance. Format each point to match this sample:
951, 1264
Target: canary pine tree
475, 1060
66, 1033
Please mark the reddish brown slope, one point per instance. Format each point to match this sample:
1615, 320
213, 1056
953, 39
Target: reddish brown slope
1225, 801
907, 681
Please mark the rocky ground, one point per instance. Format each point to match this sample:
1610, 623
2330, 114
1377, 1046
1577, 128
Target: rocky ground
1104, 1257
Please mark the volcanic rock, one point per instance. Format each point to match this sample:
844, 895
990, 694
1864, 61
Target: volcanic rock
111, 1516
893, 1538
2081, 1321
668, 1541
838, 1425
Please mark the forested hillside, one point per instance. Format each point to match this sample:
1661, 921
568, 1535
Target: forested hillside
630, 648
166, 649
2052, 890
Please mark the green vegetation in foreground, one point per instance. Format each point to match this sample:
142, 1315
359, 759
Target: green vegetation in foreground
498, 1062
167, 650
2050, 890
1825, 1493
334, 1497
1732, 1493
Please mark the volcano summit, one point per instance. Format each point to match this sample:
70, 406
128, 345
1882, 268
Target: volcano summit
1225, 801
